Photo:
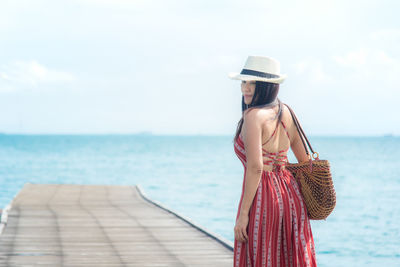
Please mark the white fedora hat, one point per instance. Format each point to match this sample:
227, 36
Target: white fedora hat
260, 68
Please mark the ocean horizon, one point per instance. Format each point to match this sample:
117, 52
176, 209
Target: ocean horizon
200, 177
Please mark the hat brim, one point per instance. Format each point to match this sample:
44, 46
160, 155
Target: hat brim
244, 77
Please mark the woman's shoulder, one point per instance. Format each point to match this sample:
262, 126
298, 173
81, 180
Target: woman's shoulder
287, 119
285, 109
251, 114
263, 114
256, 114
287, 113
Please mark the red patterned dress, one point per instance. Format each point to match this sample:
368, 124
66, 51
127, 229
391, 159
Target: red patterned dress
279, 231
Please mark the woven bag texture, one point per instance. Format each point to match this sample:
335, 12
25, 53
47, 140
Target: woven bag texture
316, 187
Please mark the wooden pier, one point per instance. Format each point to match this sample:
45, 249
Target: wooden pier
102, 225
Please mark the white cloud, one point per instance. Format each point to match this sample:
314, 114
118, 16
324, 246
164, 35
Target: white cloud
371, 63
385, 35
353, 59
30, 73
119, 4
313, 71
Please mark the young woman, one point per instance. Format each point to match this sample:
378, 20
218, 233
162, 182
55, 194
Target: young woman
272, 227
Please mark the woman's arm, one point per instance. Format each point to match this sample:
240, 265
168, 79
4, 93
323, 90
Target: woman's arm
254, 166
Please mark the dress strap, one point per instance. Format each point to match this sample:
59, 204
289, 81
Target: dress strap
284, 127
276, 127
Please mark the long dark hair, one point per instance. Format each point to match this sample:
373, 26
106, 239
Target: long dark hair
264, 93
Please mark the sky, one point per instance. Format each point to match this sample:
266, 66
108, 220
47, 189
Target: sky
161, 66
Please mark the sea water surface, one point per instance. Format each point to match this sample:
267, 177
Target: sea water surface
201, 178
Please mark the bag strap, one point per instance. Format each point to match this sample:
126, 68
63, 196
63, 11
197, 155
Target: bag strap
302, 134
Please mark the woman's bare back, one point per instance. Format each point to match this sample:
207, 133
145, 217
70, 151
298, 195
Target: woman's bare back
278, 137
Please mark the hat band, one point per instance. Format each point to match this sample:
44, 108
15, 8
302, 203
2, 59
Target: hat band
258, 73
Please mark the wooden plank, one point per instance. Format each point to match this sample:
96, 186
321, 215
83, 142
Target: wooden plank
102, 225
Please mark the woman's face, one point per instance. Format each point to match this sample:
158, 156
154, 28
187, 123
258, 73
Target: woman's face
248, 88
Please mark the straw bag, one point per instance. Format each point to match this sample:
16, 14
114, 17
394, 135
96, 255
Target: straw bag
315, 180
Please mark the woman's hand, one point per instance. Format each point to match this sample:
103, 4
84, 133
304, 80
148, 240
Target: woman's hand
241, 227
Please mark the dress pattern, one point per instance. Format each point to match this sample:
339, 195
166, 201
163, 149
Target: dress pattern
279, 230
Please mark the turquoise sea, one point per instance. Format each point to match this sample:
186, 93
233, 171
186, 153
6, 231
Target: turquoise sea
200, 177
